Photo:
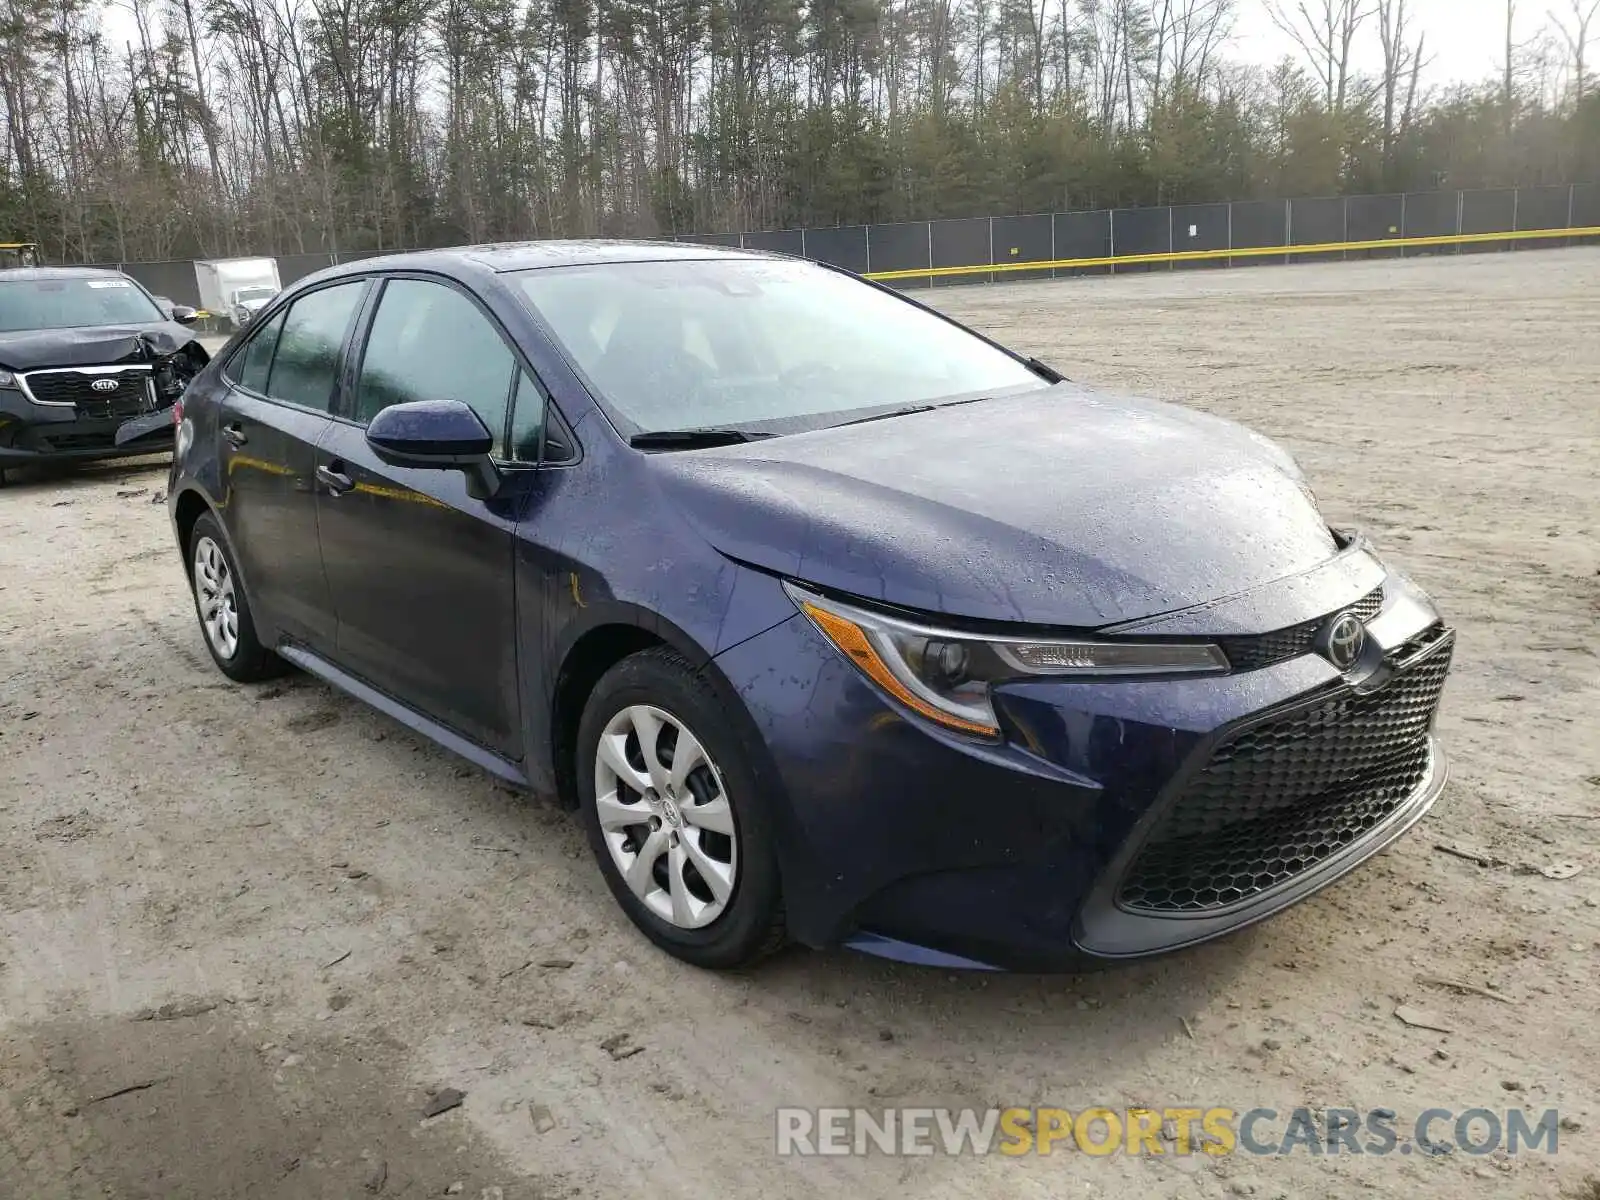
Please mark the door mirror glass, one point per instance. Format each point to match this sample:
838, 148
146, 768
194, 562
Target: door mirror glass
441, 434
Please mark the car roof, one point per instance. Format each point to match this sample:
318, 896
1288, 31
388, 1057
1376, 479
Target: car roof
28, 274
523, 256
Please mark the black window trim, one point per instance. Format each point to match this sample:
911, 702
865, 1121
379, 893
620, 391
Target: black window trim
281, 315
356, 353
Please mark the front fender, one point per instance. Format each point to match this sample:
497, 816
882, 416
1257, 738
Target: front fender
577, 602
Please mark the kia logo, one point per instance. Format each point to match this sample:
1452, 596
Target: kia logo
105, 385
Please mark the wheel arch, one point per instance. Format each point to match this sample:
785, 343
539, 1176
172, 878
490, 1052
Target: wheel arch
612, 634
591, 653
192, 503
189, 507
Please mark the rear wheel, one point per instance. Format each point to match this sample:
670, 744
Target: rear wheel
671, 801
223, 609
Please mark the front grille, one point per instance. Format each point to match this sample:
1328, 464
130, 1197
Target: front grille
130, 398
1278, 798
1261, 650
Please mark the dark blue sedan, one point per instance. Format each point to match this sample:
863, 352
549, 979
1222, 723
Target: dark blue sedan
836, 621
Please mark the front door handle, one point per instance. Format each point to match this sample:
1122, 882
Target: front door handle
336, 482
235, 435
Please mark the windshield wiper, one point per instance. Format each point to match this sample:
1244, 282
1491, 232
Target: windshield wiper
691, 439
884, 416
908, 411
1045, 371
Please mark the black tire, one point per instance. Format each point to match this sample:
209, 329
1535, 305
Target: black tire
250, 662
751, 925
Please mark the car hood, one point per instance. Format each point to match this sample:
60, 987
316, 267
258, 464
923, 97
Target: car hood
30, 349
1058, 507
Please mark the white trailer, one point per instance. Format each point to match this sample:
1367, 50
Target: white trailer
235, 289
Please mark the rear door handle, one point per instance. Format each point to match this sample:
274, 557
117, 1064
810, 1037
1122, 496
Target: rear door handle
235, 434
336, 482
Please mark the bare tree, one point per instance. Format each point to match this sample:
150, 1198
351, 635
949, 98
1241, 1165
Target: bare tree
289, 126
1508, 95
1402, 62
1577, 39
1325, 31
1187, 35
208, 125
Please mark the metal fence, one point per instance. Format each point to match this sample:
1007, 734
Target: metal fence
1112, 241
1108, 241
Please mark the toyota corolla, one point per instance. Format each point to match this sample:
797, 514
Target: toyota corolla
837, 622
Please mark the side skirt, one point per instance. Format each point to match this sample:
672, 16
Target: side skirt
306, 660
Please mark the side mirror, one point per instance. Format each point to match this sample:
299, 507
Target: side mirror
437, 434
184, 315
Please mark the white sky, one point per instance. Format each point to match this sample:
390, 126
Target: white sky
1466, 38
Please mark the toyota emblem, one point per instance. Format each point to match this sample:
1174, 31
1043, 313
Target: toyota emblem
1343, 640
105, 385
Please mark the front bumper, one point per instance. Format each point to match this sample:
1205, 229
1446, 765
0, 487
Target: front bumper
908, 841
32, 432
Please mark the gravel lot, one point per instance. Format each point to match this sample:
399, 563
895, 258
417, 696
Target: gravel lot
339, 918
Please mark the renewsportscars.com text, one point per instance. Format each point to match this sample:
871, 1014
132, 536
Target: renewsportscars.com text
1101, 1131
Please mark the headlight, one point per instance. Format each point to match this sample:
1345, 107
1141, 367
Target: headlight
8, 380
945, 675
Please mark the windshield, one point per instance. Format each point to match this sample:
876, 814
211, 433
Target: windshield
73, 304
255, 293
765, 344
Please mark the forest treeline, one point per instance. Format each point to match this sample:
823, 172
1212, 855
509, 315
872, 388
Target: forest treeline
149, 129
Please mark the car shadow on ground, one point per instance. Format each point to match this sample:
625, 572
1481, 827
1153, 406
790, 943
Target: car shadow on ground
1121, 1009
43, 477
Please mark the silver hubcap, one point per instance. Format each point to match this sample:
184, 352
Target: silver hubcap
665, 816
213, 588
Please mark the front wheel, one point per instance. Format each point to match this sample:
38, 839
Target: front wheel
672, 804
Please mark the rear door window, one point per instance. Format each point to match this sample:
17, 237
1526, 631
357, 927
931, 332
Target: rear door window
250, 366
305, 365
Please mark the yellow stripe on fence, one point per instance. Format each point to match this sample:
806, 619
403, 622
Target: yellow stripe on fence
1181, 256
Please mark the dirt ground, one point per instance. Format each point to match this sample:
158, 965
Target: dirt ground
245, 931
